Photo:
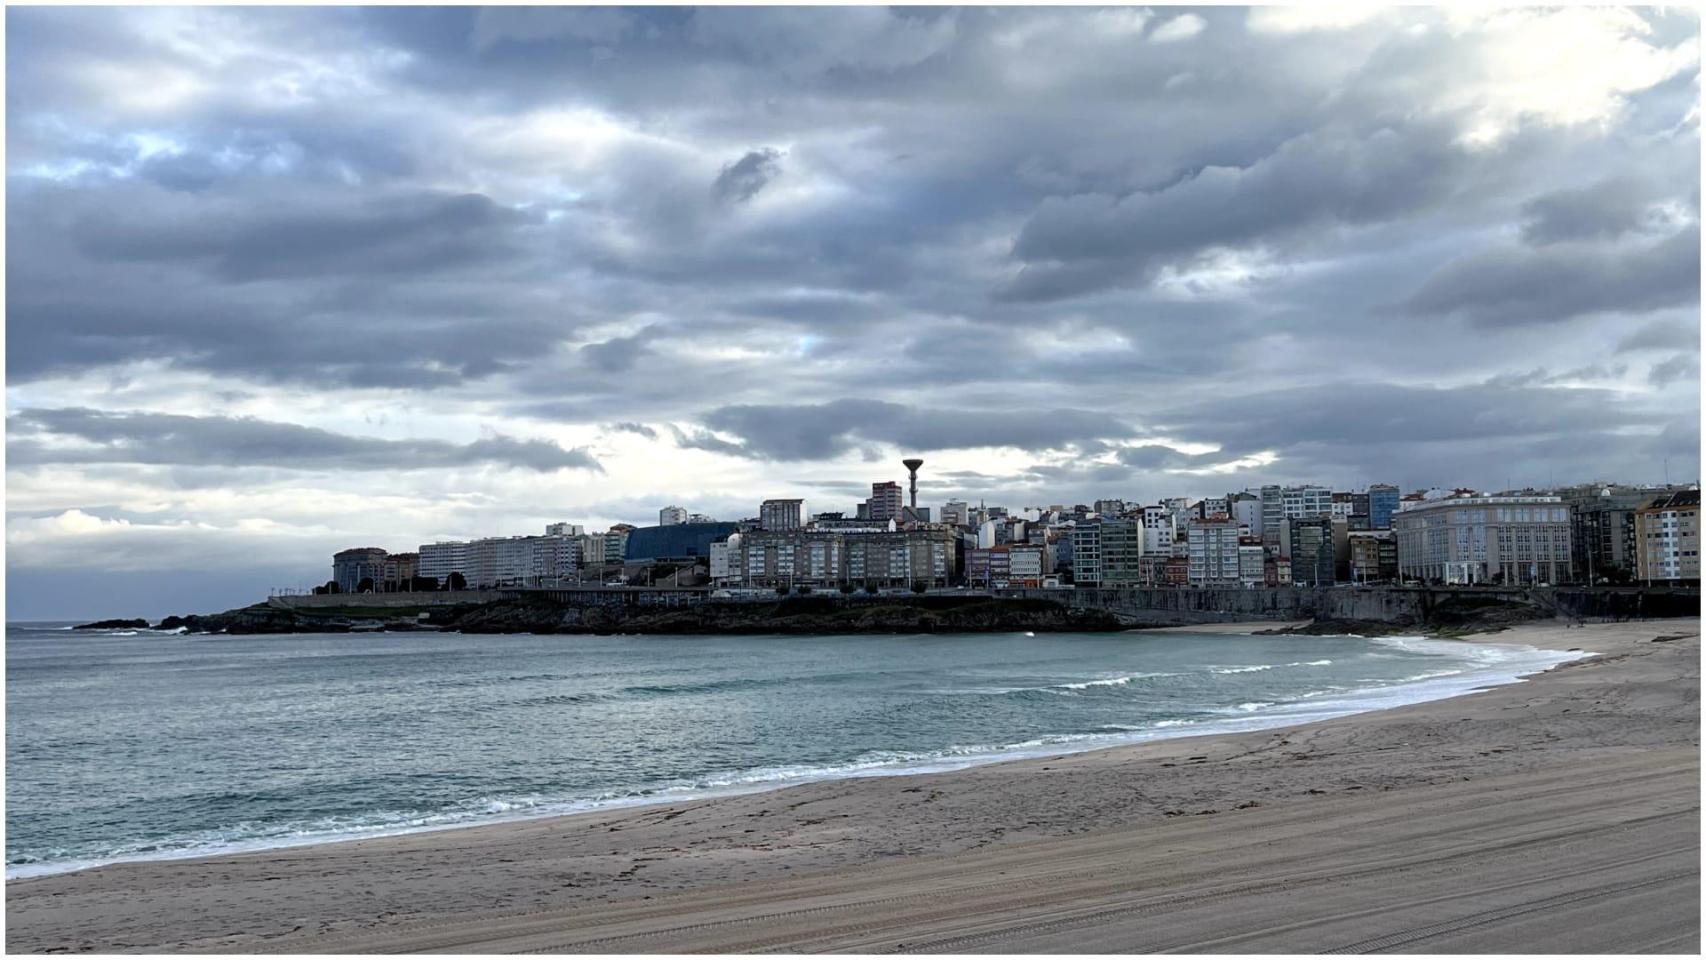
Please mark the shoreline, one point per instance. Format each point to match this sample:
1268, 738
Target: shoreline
1474, 681
1617, 732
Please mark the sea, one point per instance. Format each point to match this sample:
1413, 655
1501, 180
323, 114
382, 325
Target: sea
141, 745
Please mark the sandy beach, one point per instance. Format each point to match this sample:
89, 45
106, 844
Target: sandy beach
1560, 814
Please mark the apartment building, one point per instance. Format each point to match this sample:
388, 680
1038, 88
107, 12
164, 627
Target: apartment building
1667, 535
1212, 552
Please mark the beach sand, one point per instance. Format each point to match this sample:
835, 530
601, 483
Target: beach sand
1556, 815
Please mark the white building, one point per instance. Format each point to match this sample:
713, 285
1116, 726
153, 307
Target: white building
672, 515
439, 560
1160, 526
1028, 563
1247, 511
1212, 548
724, 559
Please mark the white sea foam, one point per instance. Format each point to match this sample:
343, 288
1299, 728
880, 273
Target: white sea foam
1113, 681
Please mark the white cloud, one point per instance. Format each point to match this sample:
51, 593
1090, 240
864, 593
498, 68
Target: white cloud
1182, 27
1564, 67
1309, 17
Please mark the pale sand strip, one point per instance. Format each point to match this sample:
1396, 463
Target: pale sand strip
1561, 814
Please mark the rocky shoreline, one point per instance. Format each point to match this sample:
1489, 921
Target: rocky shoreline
790, 615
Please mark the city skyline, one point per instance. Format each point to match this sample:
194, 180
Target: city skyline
285, 281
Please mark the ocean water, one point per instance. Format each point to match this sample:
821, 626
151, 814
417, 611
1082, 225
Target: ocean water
126, 745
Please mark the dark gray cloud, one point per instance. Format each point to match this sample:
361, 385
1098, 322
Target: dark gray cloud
1518, 285
37, 436
617, 354
1607, 209
821, 431
699, 439
351, 235
740, 181
1662, 335
1320, 179
1679, 367
639, 429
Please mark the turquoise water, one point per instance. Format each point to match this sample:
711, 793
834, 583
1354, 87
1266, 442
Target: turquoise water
141, 745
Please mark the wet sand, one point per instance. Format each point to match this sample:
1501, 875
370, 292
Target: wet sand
1556, 815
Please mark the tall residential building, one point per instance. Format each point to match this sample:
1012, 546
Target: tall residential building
1310, 548
1281, 504
564, 530
1160, 527
1087, 555
1603, 543
1471, 539
885, 501
1109, 508
1212, 549
672, 515
1307, 501
780, 515
351, 567
1382, 504
1122, 543
1246, 509
616, 542
1667, 536
957, 513
1273, 515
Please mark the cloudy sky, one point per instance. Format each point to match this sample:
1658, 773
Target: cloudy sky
281, 281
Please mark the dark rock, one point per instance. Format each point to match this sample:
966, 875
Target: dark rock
137, 624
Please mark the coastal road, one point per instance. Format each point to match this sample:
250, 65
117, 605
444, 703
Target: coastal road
1598, 856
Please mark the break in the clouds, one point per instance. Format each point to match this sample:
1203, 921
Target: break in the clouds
281, 280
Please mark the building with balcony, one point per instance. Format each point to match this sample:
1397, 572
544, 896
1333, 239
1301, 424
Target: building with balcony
1212, 552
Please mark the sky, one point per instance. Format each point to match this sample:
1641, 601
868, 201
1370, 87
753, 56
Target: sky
281, 281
